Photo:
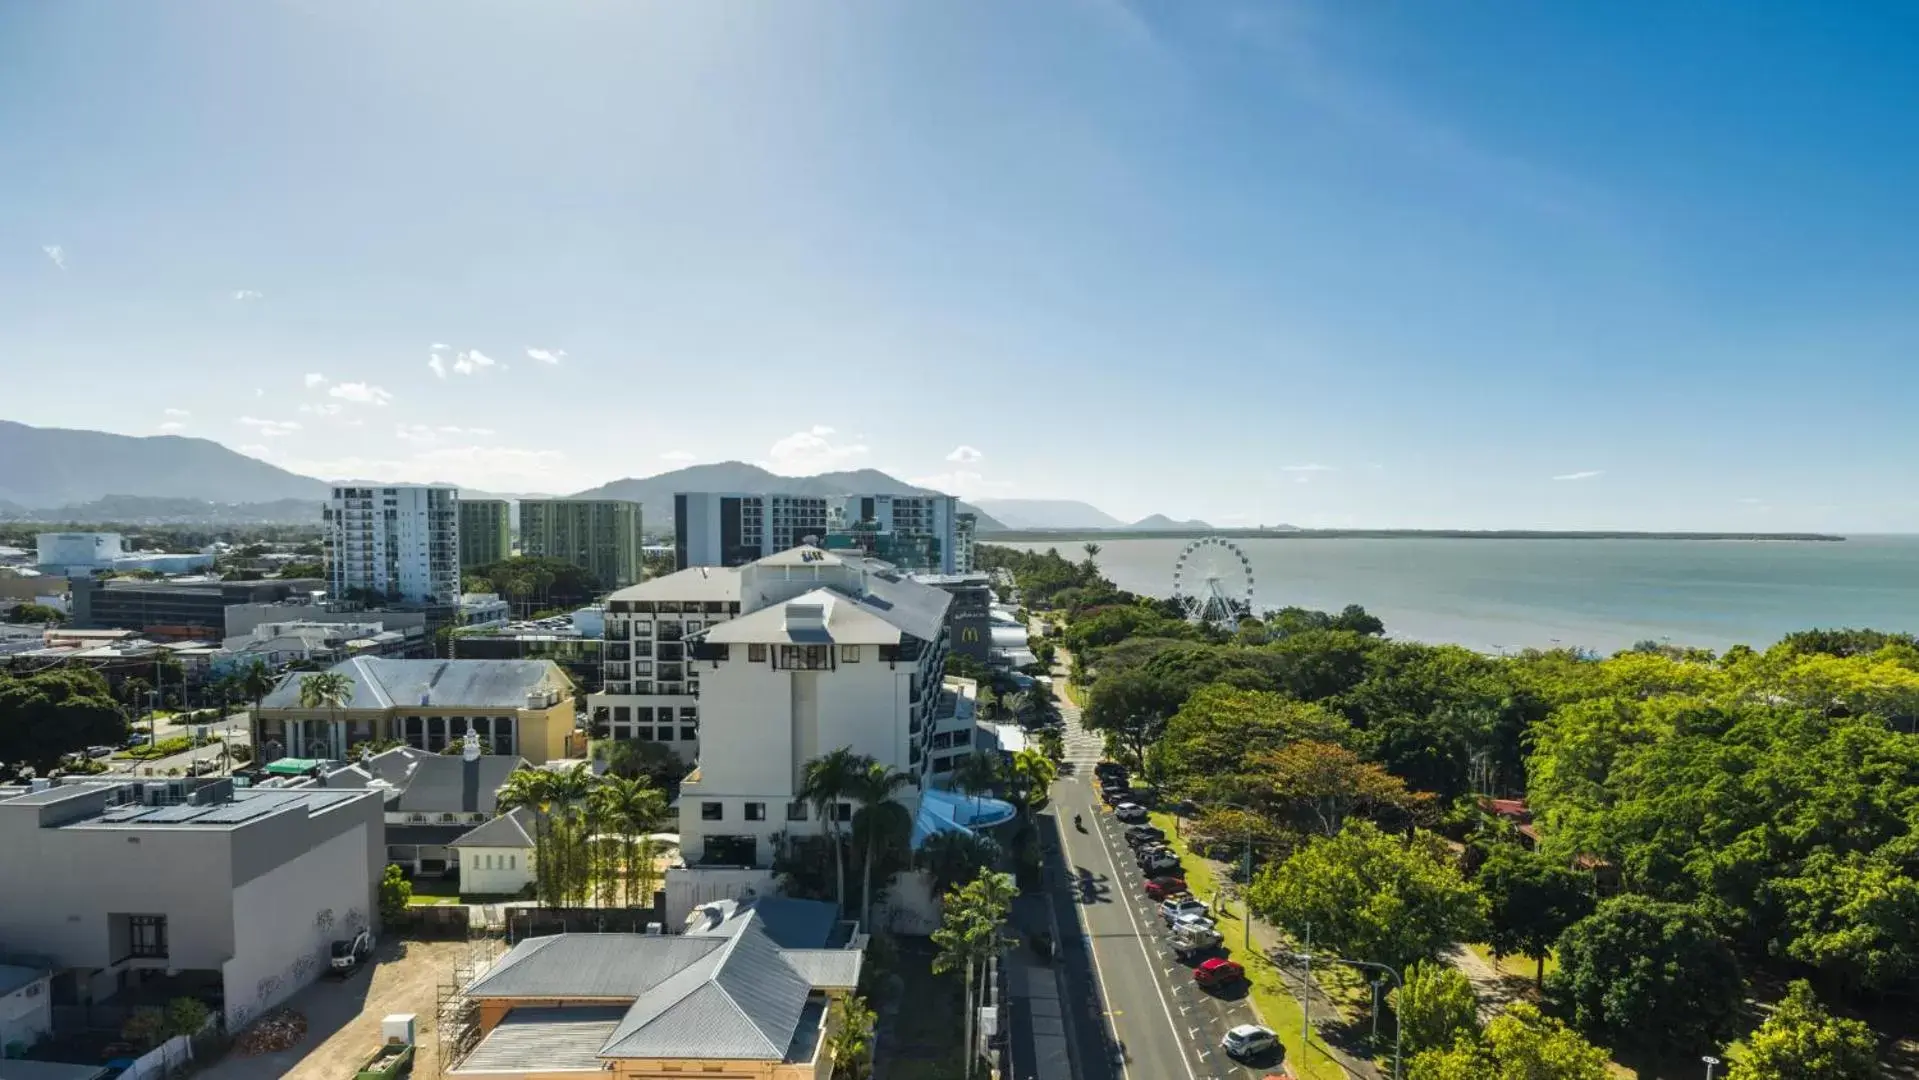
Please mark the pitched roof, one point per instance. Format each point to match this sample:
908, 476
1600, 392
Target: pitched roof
512, 829
741, 1002
693, 583
589, 965
444, 783
382, 683
887, 610
545, 1039
827, 969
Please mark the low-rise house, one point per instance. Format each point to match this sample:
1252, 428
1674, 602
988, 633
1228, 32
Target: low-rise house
518, 707
744, 993
432, 800
496, 859
26, 1008
195, 883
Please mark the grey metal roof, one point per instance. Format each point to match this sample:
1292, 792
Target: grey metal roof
827, 969
513, 829
918, 609
589, 965
739, 1003
693, 583
790, 922
246, 805
382, 683
545, 1040
445, 783
423, 835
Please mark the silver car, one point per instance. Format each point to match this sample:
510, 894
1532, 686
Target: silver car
1248, 1040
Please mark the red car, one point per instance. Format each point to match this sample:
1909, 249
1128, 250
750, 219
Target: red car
1164, 887
1216, 971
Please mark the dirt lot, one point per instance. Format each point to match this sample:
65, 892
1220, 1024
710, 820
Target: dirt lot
343, 1017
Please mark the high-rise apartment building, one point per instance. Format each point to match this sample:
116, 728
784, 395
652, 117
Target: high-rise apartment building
601, 536
400, 542
965, 527
733, 529
486, 532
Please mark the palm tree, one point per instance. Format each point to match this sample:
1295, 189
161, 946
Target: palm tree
1091, 549
827, 780
951, 858
254, 682
969, 936
572, 806
880, 819
976, 774
1017, 703
633, 808
329, 690
532, 789
1034, 772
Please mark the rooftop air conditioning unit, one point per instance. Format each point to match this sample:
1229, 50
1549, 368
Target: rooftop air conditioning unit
654, 929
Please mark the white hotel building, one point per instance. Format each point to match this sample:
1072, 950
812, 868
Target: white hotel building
402, 541
651, 689
733, 529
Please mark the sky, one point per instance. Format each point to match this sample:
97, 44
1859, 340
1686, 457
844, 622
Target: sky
1444, 264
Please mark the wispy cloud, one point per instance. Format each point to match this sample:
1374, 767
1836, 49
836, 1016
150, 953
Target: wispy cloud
178, 413
269, 428
427, 433
361, 393
812, 451
172, 427
57, 253
314, 379
964, 454
1309, 467
254, 449
546, 356
247, 294
322, 408
1584, 474
472, 360
436, 365
677, 456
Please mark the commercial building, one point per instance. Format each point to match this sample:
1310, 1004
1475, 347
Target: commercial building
81, 553
745, 992
601, 536
484, 609
174, 610
929, 519
969, 620
559, 639
432, 800
486, 532
243, 619
401, 543
650, 689
238, 891
965, 529
280, 645
522, 707
733, 529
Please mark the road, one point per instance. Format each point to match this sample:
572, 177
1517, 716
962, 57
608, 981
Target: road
1167, 1028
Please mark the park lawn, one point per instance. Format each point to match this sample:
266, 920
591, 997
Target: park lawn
1277, 1009
1517, 966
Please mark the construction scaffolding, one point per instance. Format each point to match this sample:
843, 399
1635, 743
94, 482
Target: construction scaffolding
456, 1016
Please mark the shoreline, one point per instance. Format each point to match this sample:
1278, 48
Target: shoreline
1031, 536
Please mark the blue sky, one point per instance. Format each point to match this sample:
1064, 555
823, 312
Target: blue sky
1441, 264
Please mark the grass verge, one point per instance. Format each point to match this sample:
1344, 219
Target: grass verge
1521, 967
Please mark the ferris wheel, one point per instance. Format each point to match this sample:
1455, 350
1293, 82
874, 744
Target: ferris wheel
1213, 582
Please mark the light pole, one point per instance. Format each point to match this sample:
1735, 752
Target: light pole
1307, 958
1711, 1064
1246, 870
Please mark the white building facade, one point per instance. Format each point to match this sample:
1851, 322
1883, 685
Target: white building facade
650, 688
402, 542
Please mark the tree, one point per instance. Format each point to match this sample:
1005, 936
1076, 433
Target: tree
255, 681
851, 1044
1371, 896
1647, 976
880, 821
1220, 726
970, 934
1803, 1041
1132, 707
329, 690
1518, 1044
951, 858
1435, 1007
533, 789
1531, 900
827, 782
50, 714
977, 773
1318, 786
1033, 774
41, 614
633, 809
395, 893
1854, 916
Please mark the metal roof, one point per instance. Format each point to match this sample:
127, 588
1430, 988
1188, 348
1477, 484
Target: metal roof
827, 969
383, 683
740, 1003
589, 965
545, 1040
444, 783
693, 583
509, 830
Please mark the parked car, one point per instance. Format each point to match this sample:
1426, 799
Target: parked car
1162, 888
1219, 971
1194, 921
1109, 768
1118, 795
348, 953
1159, 862
1246, 1040
1137, 835
1189, 942
1130, 812
1180, 905
99, 751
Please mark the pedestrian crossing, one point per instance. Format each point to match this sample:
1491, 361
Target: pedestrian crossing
1084, 748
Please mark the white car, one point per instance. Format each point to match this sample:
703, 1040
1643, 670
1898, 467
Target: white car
1193, 921
1178, 906
1248, 1040
1130, 812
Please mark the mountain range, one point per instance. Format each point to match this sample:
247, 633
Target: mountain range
64, 474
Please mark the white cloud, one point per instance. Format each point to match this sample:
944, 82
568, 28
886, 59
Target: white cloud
178, 413
172, 426
439, 346
427, 433
270, 428
57, 253
546, 356
492, 467
314, 379
246, 294
436, 365
806, 452
1586, 474
965, 455
254, 449
472, 360
361, 393
1309, 467
322, 408
677, 456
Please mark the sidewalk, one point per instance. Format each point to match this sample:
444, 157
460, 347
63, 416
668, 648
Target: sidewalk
1037, 1025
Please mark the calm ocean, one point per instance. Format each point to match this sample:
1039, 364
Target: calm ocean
1597, 594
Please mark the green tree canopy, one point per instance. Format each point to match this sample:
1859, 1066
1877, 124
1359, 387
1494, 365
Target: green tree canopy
1518, 1044
1803, 1041
1435, 1007
1215, 731
52, 713
1531, 899
1647, 976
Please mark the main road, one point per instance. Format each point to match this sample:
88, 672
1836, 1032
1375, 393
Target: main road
1165, 1027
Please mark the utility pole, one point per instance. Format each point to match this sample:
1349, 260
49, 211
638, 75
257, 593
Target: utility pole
1306, 998
1711, 1063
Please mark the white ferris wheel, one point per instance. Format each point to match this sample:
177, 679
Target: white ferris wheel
1213, 582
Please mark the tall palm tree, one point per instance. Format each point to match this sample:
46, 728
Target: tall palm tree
976, 774
329, 690
952, 858
532, 789
572, 803
632, 808
828, 780
1034, 772
254, 682
880, 819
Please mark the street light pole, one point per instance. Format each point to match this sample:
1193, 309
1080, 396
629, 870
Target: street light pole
1711, 1063
1398, 982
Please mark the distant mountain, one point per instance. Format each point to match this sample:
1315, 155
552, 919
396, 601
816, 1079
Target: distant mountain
1048, 514
1162, 523
655, 493
51, 467
146, 510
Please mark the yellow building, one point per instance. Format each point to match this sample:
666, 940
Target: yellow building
598, 535
746, 993
522, 707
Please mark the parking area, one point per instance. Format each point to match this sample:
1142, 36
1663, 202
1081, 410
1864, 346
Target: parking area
343, 1016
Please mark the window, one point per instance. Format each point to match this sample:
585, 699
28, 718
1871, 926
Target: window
416, 818
644, 714
849, 654
147, 935
756, 811
711, 811
692, 625
449, 819
666, 733
689, 714
843, 811
689, 733
756, 654
796, 811
644, 734
477, 819
621, 715
512, 862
